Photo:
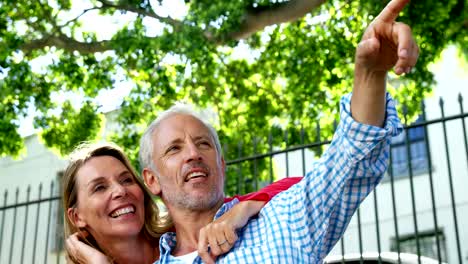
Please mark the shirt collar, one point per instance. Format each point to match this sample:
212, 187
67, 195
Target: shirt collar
168, 241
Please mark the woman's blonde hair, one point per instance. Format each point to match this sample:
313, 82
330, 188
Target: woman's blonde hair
155, 224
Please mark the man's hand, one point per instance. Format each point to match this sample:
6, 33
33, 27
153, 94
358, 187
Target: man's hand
220, 235
79, 252
386, 44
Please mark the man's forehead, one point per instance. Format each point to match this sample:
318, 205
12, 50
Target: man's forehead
181, 121
176, 125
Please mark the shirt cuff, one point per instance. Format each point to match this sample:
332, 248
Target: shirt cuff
364, 137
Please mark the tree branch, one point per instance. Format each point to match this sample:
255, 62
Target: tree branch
149, 13
68, 44
78, 17
257, 19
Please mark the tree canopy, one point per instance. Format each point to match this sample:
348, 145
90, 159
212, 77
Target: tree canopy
299, 62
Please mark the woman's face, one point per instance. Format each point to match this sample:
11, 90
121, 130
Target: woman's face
110, 202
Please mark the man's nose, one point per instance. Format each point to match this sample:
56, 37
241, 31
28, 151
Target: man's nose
193, 152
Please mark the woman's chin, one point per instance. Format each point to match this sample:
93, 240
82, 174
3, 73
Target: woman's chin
125, 225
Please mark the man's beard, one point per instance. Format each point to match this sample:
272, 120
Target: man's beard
203, 202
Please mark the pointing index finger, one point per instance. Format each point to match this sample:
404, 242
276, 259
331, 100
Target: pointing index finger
392, 10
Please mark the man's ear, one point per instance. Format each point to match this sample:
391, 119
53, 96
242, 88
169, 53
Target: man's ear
151, 181
74, 217
223, 167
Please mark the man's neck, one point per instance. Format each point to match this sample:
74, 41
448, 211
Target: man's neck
188, 224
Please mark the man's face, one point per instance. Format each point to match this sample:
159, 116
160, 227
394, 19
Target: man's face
190, 172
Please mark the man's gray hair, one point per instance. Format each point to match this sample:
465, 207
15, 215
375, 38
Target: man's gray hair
146, 141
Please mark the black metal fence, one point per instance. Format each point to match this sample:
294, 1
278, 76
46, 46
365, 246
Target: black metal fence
31, 231
421, 206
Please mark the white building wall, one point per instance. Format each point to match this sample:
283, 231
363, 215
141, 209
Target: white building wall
37, 166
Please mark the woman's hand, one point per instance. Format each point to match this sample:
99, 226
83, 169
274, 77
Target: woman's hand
80, 252
220, 235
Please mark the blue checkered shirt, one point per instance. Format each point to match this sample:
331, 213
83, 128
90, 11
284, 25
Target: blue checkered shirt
302, 224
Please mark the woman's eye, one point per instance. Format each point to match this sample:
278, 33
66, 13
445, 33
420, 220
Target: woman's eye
128, 180
99, 188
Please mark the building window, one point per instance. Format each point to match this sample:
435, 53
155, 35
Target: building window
419, 157
427, 244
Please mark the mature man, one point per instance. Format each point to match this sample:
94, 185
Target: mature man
183, 164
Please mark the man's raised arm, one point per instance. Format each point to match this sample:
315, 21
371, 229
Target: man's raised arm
322, 204
386, 44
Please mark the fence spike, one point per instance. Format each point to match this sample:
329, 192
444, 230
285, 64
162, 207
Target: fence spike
254, 141
286, 154
302, 134
286, 137
270, 149
423, 110
441, 102
405, 113
303, 151
442, 110
3, 222
317, 131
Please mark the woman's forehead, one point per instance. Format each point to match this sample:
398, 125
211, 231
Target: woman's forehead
100, 167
